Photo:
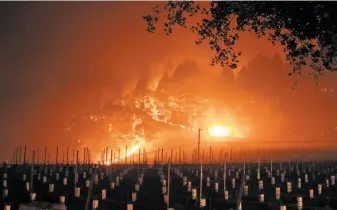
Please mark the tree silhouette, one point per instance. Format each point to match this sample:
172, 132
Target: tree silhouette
306, 30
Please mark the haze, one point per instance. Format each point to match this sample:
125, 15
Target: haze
60, 58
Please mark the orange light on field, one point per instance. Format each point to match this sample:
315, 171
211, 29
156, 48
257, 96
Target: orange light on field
219, 131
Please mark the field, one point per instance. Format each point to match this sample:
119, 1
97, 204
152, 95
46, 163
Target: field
289, 185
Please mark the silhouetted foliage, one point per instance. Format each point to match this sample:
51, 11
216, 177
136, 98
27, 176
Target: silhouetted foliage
306, 30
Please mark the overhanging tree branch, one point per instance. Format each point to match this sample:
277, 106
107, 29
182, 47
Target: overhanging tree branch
306, 30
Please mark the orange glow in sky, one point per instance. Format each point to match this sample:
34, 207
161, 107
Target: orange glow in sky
219, 131
122, 89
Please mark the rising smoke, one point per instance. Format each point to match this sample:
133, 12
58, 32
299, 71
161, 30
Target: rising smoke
65, 62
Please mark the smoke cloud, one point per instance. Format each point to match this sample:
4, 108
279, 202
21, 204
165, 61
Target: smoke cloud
59, 59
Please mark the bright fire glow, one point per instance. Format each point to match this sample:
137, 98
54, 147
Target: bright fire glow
133, 150
219, 131
164, 113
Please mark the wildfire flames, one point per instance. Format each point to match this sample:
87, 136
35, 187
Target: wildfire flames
214, 131
133, 149
219, 131
197, 114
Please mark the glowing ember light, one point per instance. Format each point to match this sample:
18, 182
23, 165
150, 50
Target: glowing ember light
167, 112
219, 131
133, 150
